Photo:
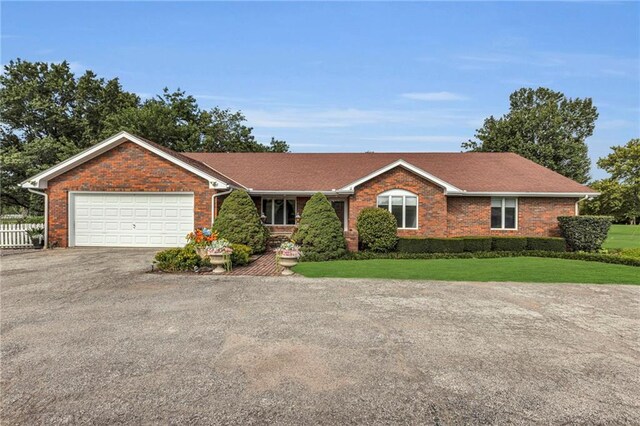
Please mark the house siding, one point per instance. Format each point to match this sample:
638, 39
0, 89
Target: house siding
125, 168
537, 216
432, 203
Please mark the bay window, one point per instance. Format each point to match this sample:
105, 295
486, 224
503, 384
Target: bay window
403, 205
279, 211
504, 213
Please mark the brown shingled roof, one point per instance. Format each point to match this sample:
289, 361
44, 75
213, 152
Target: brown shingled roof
469, 171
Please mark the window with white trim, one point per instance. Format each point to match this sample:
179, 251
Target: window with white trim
279, 211
504, 213
403, 205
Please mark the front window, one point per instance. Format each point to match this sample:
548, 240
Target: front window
403, 205
279, 211
504, 213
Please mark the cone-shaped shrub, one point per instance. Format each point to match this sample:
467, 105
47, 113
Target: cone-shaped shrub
239, 222
319, 233
377, 229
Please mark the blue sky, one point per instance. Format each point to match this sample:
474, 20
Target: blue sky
352, 77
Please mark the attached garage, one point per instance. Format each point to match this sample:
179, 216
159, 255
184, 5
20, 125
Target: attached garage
120, 219
126, 192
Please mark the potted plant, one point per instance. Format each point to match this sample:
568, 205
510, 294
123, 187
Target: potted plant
37, 236
219, 252
200, 240
287, 256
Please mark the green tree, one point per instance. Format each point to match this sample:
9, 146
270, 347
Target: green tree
319, 233
48, 114
545, 127
239, 222
175, 120
620, 195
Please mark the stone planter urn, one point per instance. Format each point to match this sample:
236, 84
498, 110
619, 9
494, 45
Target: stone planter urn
287, 262
218, 260
202, 252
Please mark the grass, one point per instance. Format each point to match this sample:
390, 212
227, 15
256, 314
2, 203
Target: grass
623, 236
519, 269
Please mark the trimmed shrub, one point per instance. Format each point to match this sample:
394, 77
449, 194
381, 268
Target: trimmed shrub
377, 229
430, 245
179, 259
241, 254
239, 222
585, 233
474, 244
546, 244
631, 252
508, 243
320, 233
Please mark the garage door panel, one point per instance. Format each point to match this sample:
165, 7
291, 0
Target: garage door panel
132, 220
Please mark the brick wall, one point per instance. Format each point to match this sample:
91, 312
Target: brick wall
536, 216
432, 203
127, 168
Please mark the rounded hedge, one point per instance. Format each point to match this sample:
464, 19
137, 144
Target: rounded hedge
320, 235
377, 229
585, 233
239, 222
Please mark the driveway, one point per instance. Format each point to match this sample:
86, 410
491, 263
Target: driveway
88, 336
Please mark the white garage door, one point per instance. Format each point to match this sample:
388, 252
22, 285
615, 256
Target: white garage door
131, 220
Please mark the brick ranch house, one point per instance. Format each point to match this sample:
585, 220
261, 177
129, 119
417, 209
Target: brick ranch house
130, 192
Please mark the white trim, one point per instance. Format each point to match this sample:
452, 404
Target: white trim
525, 194
40, 180
502, 214
345, 214
401, 163
273, 211
71, 207
404, 194
296, 192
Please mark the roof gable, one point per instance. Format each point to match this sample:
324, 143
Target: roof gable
40, 180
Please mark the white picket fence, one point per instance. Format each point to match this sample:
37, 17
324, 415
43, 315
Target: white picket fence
14, 235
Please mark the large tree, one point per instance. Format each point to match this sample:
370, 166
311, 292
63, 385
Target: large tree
543, 126
620, 194
47, 114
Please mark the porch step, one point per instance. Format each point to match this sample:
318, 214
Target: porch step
275, 239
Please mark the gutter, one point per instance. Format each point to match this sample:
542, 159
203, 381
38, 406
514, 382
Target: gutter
46, 214
586, 197
213, 203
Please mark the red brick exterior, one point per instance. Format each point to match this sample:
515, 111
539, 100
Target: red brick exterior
536, 216
127, 168
432, 203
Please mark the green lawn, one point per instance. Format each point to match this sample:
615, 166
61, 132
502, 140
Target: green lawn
623, 236
520, 269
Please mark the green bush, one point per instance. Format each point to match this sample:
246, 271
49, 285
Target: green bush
474, 244
631, 252
320, 231
546, 244
179, 259
239, 222
241, 254
508, 243
377, 229
430, 245
585, 233
590, 257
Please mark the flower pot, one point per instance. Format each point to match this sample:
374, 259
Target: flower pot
287, 262
37, 241
218, 260
202, 252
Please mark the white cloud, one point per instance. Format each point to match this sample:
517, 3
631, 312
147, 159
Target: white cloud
434, 96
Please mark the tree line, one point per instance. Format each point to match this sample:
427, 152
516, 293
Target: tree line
48, 114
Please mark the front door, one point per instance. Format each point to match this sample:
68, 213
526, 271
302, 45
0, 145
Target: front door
338, 206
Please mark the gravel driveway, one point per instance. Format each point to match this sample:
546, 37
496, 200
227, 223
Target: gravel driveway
89, 337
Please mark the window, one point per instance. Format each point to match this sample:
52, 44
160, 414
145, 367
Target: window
403, 205
504, 213
279, 211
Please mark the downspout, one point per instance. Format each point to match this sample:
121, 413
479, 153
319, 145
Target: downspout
586, 197
46, 214
213, 203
